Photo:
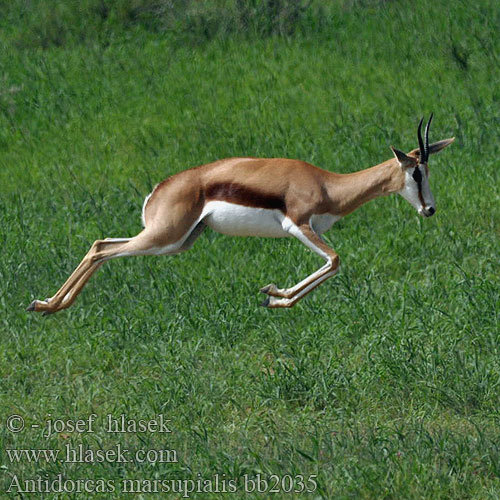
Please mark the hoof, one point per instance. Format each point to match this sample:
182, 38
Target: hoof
270, 289
266, 302
32, 306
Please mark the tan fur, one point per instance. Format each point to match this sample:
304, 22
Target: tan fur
305, 189
295, 188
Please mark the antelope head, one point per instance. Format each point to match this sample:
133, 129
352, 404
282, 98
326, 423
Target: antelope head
414, 165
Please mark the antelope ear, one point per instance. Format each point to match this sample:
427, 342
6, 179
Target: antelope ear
438, 146
403, 159
433, 148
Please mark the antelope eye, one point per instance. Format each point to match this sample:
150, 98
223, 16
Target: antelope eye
417, 176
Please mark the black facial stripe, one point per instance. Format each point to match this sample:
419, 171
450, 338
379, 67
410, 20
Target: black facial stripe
417, 177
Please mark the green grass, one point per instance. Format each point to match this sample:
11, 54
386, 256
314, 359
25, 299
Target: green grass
385, 381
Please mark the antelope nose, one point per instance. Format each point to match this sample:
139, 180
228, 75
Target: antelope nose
431, 210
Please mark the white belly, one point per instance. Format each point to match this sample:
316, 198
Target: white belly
238, 220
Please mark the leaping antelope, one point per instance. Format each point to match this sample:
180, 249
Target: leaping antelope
259, 197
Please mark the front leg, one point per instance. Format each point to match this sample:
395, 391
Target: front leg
273, 291
288, 297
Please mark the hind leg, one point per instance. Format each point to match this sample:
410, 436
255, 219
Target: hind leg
100, 251
193, 236
70, 296
148, 242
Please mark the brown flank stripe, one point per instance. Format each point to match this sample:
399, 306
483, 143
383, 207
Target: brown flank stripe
241, 195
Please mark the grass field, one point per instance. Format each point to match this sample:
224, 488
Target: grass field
383, 383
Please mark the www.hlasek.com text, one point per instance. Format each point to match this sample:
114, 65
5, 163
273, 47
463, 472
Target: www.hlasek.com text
81, 454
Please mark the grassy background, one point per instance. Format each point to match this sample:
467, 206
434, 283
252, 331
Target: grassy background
385, 381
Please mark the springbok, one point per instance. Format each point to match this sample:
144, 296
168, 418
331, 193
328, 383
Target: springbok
259, 197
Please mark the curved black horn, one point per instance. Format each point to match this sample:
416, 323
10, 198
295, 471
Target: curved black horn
420, 141
426, 136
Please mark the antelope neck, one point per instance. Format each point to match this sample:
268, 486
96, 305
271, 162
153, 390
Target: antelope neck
347, 192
